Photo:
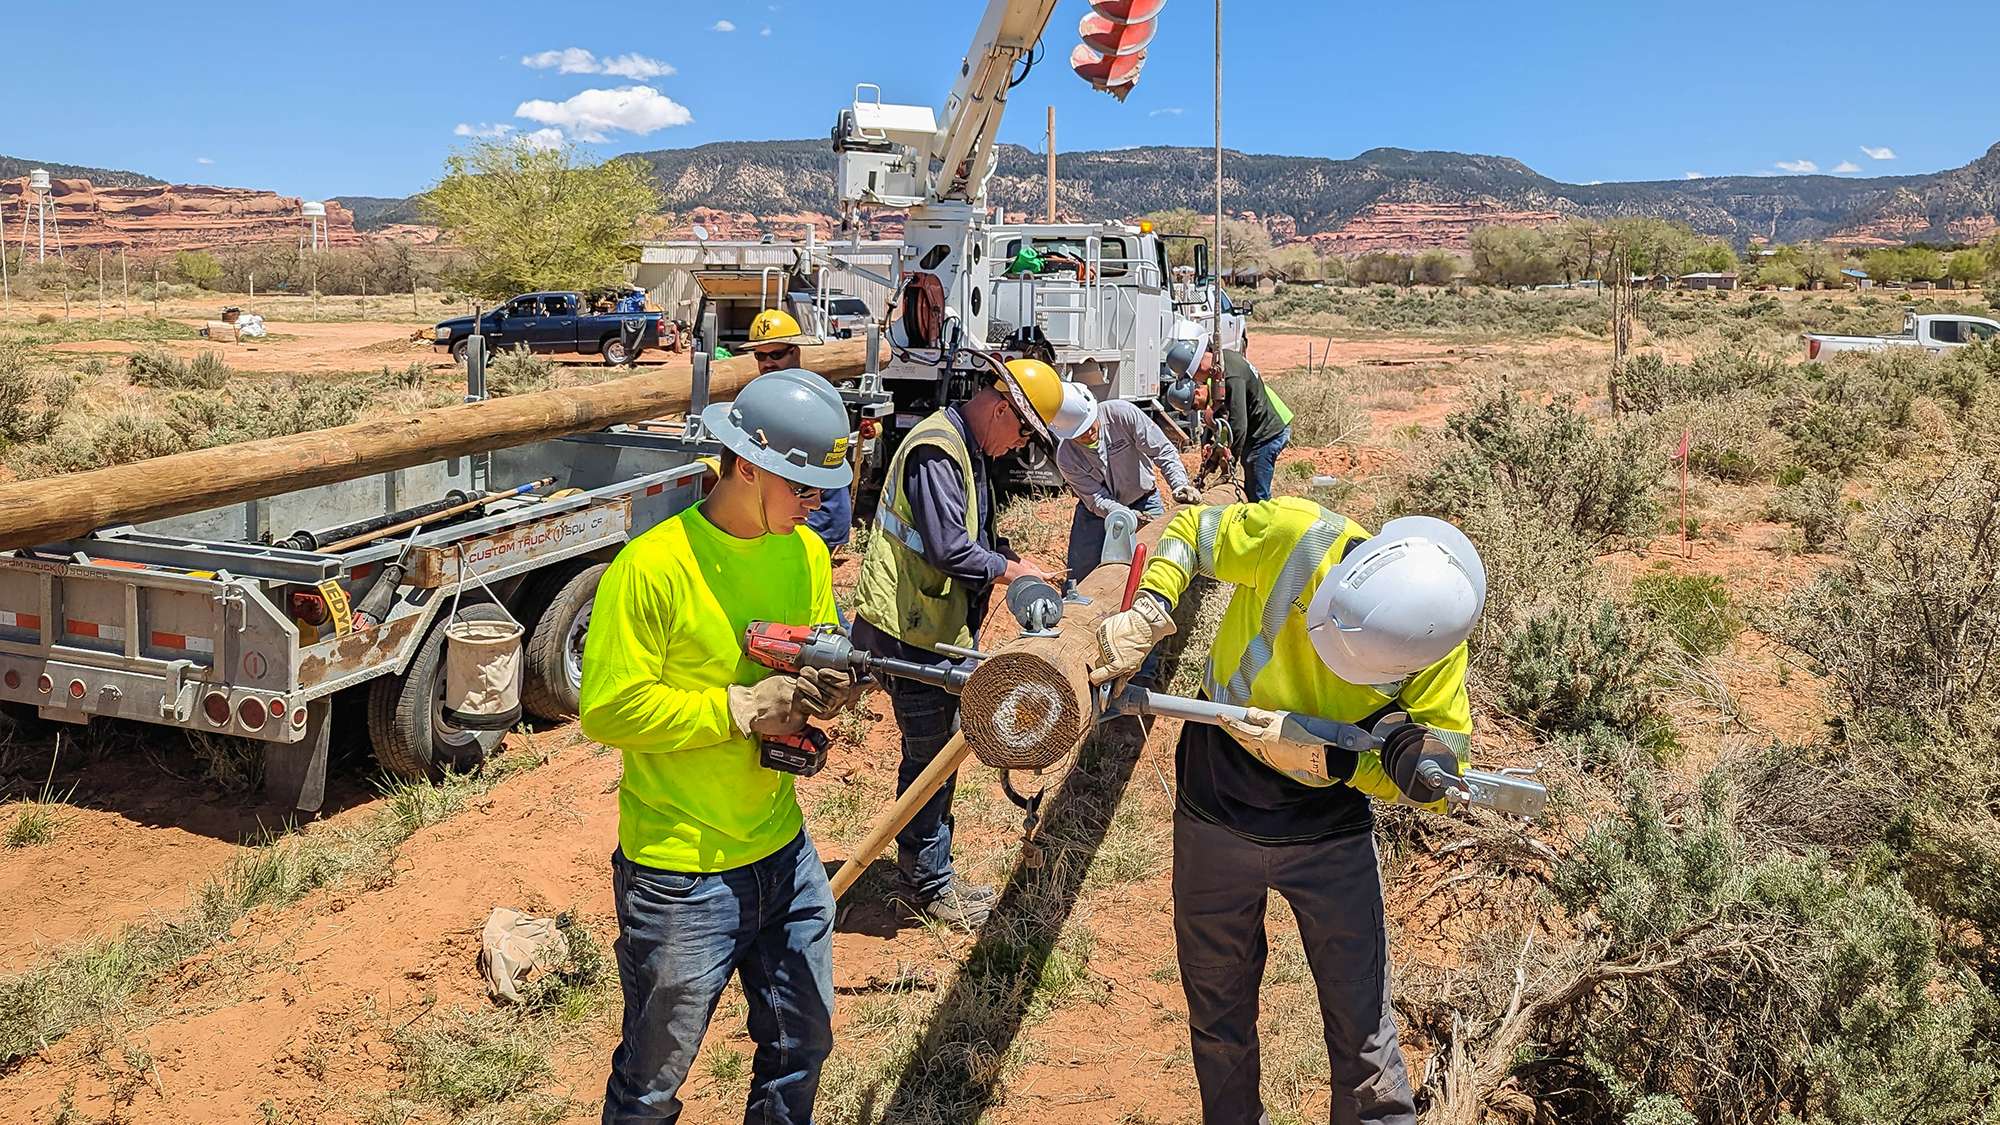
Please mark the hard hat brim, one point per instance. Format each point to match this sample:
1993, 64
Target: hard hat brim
715, 419
800, 340
1025, 408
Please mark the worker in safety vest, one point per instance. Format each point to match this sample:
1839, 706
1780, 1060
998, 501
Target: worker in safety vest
1325, 620
1260, 424
1113, 458
932, 562
714, 875
776, 340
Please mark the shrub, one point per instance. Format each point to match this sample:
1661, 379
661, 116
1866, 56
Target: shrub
516, 371
1907, 628
154, 367
1551, 459
1323, 412
198, 267
19, 387
1732, 438
1811, 502
1575, 668
1649, 383
1695, 610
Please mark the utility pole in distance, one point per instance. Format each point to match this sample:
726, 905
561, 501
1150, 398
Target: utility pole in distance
1052, 163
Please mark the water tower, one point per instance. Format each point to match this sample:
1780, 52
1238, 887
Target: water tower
315, 214
39, 192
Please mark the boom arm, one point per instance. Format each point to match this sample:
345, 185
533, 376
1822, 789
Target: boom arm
963, 151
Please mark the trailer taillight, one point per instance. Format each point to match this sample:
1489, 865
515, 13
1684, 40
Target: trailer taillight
43, 684
299, 717
12, 678
277, 708
215, 707
76, 689
251, 714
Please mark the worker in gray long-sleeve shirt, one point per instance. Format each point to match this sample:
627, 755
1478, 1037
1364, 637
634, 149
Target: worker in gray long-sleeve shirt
1109, 456
929, 567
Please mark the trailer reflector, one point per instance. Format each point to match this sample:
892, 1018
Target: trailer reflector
20, 620
183, 642
93, 629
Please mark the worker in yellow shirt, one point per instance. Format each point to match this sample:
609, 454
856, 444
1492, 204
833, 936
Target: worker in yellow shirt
714, 874
1324, 620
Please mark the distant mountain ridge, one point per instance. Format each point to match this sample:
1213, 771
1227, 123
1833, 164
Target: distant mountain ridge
13, 168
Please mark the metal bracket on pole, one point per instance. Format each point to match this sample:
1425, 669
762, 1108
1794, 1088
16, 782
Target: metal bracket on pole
1121, 537
698, 387
871, 370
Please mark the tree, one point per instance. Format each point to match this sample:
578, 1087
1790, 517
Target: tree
1886, 264
532, 218
1379, 268
1818, 264
1924, 263
1297, 262
1966, 267
198, 267
1436, 267
1511, 256
1245, 245
1180, 220
1710, 257
1783, 275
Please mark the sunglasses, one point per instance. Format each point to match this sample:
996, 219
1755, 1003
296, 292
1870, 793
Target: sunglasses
803, 491
777, 355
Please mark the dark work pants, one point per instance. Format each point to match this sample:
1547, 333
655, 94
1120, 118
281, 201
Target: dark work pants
927, 717
1221, 881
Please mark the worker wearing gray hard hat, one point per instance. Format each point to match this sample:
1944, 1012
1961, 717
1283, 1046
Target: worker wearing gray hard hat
1114, 458
715, 874
1259, 422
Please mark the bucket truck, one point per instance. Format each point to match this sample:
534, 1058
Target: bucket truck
970, 290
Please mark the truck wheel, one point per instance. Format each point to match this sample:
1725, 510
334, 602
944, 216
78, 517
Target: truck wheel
458, 352
616, 354
552, 680
406, 723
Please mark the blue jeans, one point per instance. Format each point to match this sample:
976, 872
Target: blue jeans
1086, 533
680, 937
1261, 464
927, 717
833, 520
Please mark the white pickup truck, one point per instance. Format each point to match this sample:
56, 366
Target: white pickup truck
1934, 332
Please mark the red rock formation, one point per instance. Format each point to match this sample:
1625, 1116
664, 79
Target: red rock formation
170, 217
1421, 226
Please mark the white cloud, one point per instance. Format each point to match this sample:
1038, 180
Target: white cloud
577, 60
765, 32
1847, 166
541, 138
1694, 175
1882, 153
482, 130
1165, 111
204, 160
1797, 167
723, 25
593, 113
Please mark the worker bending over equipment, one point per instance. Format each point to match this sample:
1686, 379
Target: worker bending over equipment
1324, 621
776, 340
1260, 424
925, 579
1113, 457
714, 874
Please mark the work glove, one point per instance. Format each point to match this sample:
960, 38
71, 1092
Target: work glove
825, 692
1188, 494
1406, 746
769, 706
1124, 639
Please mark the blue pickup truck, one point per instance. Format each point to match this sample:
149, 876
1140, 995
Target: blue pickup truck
554, 324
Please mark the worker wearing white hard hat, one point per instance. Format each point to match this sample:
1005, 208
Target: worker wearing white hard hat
1325, 620
1113, 457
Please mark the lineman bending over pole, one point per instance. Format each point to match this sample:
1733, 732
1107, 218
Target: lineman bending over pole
714, 874
1113, 457
1325, 621
930, 566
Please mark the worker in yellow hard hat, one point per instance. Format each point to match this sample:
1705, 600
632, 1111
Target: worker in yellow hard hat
775, 339
930, 565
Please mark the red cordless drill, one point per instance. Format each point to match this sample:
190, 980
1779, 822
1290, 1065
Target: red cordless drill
793, 648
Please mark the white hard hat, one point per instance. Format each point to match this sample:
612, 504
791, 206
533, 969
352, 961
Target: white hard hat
1398, 603
1077, 413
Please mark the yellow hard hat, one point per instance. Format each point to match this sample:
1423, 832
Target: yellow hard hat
776, 326
1037, 393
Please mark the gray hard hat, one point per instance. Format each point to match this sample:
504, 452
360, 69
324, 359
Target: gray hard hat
1180, 394
1184, 356
789, 423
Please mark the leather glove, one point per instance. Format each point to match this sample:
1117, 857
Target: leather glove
1262, 732
825, 692
1406, 746
1188, 494
769, 706
1124, 639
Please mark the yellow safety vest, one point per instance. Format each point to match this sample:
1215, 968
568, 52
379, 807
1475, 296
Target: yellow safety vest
1275, 554
899, 591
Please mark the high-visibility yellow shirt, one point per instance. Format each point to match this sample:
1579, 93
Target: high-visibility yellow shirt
665, 644
1274, 553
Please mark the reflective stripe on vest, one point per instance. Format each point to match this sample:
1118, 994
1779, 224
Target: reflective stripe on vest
1305, 557
1178, 553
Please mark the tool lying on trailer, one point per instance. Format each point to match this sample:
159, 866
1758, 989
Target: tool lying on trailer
1504, 791
423, 517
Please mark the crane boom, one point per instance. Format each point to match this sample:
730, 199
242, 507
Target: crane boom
964, 150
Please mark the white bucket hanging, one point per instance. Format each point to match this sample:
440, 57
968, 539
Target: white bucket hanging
482, 674
482, 665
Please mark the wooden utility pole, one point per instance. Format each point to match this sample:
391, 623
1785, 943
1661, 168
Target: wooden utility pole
52, 509
1052, 163
124, 284
1215, 327
100, 281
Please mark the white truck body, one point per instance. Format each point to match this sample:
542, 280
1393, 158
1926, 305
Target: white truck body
1933, 332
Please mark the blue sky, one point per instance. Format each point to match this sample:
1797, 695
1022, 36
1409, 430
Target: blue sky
364, 98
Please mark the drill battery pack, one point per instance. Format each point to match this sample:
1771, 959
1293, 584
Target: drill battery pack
803, 753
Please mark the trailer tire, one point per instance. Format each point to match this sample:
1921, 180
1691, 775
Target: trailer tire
552, 680
406, 726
